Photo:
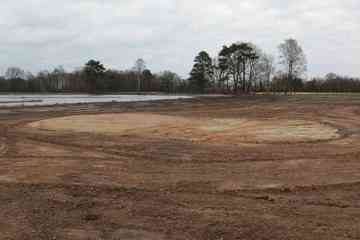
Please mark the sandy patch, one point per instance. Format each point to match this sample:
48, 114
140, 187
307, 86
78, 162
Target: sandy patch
8, 179
235, 185
210, 130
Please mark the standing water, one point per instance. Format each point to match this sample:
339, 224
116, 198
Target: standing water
10, 100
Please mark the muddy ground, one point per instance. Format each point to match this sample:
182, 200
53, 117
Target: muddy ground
177, 178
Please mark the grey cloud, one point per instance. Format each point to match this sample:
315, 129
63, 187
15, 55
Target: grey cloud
41, 34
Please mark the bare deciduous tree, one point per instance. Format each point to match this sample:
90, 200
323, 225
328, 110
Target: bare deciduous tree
14, 73
265, 68
293, 58
139, 68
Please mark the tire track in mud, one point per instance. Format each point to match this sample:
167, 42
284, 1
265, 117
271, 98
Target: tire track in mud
117, 155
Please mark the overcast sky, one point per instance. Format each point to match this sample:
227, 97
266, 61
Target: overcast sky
41, 34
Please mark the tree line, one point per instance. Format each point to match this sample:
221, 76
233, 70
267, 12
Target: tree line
93, 77
240, 67
243, 67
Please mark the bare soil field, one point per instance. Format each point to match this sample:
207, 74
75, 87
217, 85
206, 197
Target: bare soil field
254, 167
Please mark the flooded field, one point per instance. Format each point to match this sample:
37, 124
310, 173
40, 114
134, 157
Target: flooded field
12, 100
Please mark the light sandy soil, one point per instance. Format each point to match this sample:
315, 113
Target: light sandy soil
256, 167
210, 130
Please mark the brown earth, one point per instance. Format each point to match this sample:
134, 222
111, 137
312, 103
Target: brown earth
256, 167
203, 129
